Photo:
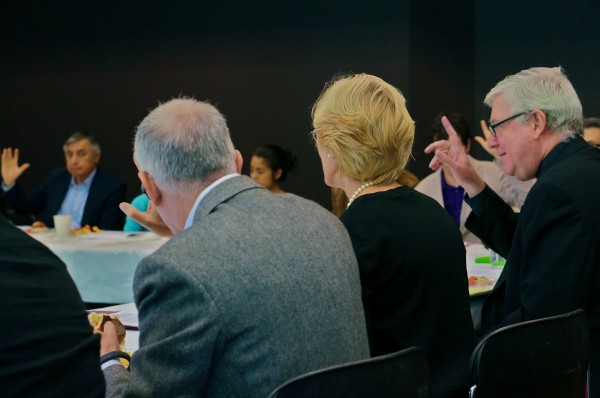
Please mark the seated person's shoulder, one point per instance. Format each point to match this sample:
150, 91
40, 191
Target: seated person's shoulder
58, 172
141, 202
427, 183
109, 176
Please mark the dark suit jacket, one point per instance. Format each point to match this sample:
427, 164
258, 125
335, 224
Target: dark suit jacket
552, 247
47, 348
101, 208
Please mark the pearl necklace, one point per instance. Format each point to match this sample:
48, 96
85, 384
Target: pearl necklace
358, 191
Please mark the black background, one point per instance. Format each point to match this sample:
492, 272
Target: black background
100, 66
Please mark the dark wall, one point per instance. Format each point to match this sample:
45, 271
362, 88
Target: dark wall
442, 68
262, 64
519, 35
100, 68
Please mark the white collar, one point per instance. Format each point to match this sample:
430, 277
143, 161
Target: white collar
190, 218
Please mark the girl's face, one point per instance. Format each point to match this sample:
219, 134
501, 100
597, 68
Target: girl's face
263, 174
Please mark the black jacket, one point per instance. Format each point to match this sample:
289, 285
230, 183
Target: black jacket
552, 247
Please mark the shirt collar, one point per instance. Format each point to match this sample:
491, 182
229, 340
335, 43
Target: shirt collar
86, 183
190, 218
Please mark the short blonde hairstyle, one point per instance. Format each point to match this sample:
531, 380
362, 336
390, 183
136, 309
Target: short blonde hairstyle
363, 121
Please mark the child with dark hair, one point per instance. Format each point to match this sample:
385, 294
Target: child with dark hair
270, 165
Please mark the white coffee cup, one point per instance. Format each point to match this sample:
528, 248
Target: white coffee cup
62, 225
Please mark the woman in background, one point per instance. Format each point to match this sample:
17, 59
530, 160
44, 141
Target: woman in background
270, 165
141, 203
410, 254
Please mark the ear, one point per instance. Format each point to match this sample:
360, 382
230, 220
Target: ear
239, 162
152, 190
277, 174
538, 118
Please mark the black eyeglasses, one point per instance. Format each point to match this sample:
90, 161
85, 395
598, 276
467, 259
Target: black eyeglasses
493, 126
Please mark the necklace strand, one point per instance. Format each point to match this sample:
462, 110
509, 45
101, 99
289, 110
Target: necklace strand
358, 191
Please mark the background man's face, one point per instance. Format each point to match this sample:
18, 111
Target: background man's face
81, 160
592, 135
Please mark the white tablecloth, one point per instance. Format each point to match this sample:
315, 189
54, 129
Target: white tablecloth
102, 264
128, 312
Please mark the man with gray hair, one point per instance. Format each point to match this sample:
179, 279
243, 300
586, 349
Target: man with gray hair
553, 246
86, 192
252, 290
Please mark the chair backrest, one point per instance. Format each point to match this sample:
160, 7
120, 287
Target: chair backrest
546, 357
403, 374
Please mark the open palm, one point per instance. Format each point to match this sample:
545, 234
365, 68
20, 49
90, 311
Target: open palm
11, 170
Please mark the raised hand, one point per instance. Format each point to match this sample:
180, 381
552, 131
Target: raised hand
483, 142
11, 170
149, 219
452, 153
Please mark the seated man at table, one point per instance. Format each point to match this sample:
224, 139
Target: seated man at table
46, 343
552, 248
252, 290
86, 192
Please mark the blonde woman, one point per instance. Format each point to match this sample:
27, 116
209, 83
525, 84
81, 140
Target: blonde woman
410, 253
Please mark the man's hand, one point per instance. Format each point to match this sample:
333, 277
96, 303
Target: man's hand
452, 153
149, 219
11, 170
484, 142
108, 339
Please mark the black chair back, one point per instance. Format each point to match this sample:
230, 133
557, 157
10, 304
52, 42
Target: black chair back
546, 357
403, 374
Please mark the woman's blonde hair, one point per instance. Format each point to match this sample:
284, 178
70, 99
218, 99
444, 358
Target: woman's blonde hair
363, 121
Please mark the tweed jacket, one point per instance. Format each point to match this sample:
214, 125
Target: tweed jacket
261, 288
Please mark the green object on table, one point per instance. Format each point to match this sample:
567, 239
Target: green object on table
483, 260
499, 263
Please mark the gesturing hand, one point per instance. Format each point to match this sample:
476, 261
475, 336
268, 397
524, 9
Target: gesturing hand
452, 153
149, 219
11, 170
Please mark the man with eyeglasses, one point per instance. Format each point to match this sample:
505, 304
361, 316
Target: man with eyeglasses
553, 246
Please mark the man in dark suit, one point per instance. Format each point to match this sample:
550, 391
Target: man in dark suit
86, 192
553, 246
47, 348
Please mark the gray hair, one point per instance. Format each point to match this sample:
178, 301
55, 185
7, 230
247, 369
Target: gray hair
79, 136
546, 89
182, 143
